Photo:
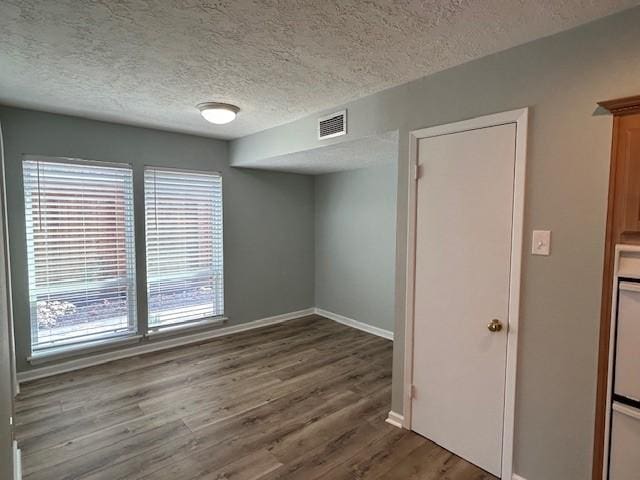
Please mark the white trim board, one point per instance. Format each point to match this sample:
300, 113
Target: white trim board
517, 477
520, 119
17, 462
395, 419
350, 322
164, 344
154, 346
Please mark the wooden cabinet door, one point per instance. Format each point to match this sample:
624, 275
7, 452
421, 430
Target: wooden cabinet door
628, 177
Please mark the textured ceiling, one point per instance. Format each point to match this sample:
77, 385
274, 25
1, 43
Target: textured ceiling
149, 62
348, 155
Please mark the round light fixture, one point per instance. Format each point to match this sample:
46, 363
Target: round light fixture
218, 113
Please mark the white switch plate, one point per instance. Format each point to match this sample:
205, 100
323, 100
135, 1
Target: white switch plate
541, 242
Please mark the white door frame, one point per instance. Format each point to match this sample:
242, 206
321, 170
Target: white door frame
519, 118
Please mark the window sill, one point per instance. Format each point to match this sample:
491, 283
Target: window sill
185, 327
58, 353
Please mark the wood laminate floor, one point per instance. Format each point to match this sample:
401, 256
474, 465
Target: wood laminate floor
306, 399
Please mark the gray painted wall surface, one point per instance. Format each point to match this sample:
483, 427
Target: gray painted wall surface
6, 362
6, 384
561, 78
356, 243
8, 381
268, 217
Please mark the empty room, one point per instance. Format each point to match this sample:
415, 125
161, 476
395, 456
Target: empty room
359, 240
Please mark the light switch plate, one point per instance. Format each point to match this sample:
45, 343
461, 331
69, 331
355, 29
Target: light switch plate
541, 242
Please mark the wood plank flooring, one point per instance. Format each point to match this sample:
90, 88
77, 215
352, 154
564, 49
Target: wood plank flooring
306, 399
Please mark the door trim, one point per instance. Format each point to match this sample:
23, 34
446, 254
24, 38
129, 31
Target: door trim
520, 119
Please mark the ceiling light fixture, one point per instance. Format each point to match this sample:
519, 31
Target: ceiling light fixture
218, 113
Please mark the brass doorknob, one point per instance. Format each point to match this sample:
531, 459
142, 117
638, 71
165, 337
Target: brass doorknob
495, 325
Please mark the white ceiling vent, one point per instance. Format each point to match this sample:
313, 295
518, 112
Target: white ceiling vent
332, 125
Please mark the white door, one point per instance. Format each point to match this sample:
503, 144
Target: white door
463, 248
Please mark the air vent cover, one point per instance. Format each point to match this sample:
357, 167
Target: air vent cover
332, 125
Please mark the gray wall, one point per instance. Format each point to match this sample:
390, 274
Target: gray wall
269, 244
7, 358
6, 383
561, 78
6, 363
356, 243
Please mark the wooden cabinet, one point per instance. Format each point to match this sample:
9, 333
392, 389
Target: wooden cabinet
623, 226
627, 188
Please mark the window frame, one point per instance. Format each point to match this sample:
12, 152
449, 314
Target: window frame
158, 330
84, 342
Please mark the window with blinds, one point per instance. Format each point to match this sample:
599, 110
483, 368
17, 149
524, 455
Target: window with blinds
183, 216
80, 247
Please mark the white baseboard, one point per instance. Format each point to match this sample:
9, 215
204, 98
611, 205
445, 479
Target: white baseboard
17, 462
166, 343
154, 346
517, 477
350, 322
395, 419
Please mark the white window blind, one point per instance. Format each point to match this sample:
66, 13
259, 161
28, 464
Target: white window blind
183, 216
80, 247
